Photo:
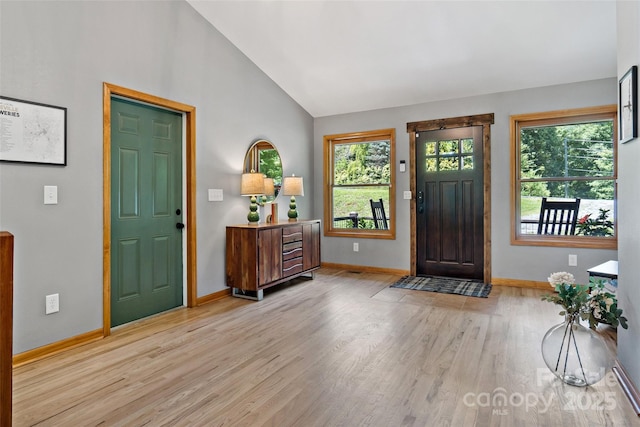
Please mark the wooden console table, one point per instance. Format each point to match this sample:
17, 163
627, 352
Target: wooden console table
6, 327
263, 255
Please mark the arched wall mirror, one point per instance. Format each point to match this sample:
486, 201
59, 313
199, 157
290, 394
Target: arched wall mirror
263, 157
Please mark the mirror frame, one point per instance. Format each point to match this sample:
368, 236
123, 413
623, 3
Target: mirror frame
252, 163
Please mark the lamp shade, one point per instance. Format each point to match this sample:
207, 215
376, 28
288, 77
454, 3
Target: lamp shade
252, 184
292, 186
269, 187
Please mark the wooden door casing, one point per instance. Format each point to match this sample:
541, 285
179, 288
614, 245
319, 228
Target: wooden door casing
483, 120
146, 183
449, 221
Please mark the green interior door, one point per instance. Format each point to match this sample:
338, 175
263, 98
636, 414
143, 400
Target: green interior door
146, 211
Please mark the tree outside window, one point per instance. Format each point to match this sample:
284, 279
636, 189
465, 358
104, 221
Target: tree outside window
563, 156
358, 169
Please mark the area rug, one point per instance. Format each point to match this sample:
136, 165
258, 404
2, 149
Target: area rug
445, 285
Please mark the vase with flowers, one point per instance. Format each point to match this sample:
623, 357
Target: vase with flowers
576, 354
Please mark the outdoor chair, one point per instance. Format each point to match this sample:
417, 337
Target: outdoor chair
379, 217
558, 217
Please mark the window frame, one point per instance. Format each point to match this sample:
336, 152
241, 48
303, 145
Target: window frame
549, 118
330, 141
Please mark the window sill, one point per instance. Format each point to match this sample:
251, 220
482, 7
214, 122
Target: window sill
362, 234
566, 241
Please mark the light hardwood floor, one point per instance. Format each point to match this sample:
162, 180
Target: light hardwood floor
341, 350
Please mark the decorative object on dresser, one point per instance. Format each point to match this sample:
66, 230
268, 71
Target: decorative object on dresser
269, 190
264, 255
293, 186
252, 185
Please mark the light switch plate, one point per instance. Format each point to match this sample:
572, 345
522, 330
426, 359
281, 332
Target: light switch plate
215, 195
50, 194
406, 195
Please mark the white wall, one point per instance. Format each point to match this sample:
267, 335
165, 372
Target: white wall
60, 53
508, 262
628, 24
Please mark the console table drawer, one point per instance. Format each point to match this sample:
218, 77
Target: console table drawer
291, 250
292, 266
292, 234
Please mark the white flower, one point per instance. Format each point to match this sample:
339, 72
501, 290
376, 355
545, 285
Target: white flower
609, 303
595, 292
596, 312
561, 277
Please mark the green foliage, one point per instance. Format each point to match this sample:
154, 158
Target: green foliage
362, 163
365, 223
603, 306
362, 171
573, 298
592, 302
571, 150
270, 165
599, 226
529, 169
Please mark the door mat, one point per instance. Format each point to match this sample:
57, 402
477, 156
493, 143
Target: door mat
445, 285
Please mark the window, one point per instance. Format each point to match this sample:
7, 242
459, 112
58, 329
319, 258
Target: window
359, 168
450, 155
564, 156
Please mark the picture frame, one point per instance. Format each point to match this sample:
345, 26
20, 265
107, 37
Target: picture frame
32, 132
628, 105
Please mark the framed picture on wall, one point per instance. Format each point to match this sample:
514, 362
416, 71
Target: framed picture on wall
628, 108
31, 132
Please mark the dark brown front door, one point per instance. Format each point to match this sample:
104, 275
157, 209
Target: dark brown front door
449, 203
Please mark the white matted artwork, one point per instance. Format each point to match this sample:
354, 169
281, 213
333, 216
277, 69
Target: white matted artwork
31, 132
628, 109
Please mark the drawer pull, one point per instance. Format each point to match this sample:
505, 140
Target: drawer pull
293, 237
291, 251
292, 267
292, 234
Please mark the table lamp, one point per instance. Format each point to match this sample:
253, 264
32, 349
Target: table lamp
252, 185
292, 186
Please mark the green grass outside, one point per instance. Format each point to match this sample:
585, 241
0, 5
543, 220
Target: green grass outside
347, 200
530, 205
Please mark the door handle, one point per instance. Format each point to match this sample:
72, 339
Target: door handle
179, 225
420, 202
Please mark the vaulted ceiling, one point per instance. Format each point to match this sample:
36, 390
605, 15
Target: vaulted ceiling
336, 57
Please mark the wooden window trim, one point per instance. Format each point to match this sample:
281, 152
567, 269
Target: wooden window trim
576, 115
358, 137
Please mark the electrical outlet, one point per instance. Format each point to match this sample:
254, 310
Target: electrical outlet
356, 247
52, 303
573, 260
50, 194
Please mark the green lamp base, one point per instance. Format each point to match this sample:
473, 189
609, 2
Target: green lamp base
292, 213
253, 215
